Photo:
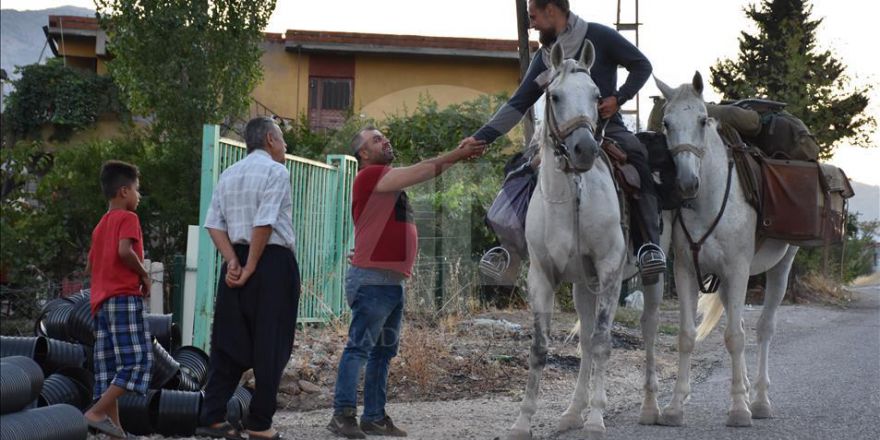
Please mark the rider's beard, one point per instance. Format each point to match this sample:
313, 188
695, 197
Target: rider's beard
547, 38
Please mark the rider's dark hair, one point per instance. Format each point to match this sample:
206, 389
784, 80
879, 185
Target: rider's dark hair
561, 4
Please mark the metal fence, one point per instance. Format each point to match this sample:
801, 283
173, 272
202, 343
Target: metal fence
321, 219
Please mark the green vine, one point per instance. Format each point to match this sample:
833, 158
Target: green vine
68, 98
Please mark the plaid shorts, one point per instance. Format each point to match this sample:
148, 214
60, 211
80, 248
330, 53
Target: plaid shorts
123, 352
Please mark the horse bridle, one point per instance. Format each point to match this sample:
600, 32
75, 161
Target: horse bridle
697, 245
558, 132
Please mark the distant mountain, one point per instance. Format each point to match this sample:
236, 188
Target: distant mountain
22, 38
866, 201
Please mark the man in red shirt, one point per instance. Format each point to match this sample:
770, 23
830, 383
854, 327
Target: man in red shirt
386, 244
123, 355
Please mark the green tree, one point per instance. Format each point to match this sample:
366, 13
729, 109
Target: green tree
184, 64
783, 62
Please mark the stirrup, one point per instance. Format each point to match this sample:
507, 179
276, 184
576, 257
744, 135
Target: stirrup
652, 262
494, 263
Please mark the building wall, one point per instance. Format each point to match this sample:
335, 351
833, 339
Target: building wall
384, 85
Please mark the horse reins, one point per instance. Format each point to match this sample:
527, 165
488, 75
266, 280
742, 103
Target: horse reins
558, 132
696, 246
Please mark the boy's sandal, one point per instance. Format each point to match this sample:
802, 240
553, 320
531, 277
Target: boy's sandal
226, 431
106, 426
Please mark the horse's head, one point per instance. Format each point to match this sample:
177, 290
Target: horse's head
686, 124
571, 109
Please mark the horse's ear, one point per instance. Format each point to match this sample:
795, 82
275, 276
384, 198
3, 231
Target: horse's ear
698, 83
556, 55
664, 89
588, 54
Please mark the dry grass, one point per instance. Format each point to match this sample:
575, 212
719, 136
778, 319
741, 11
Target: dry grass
867, 280
420, 352
815, 288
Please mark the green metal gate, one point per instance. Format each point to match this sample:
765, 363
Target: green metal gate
321, 220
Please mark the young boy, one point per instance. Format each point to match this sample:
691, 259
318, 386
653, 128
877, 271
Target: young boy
123, 353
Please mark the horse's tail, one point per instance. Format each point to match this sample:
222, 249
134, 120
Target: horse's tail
711, 308
575, 331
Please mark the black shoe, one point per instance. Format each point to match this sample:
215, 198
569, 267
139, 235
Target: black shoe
652, 263
382, 427
346, 425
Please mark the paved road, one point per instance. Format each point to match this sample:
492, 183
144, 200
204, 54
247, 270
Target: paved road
825, 376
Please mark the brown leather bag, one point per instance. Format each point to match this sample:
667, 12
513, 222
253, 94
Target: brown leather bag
802, 206
625, 173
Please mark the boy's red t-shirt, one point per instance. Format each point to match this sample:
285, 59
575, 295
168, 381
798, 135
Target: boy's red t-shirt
110, 276
385, 235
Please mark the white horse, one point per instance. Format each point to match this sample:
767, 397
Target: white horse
720, 224
574, 235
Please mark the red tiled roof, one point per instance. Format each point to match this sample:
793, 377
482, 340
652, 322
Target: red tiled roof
414, 41
294, 37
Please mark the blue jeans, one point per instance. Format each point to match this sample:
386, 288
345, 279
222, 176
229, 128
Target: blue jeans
376, 298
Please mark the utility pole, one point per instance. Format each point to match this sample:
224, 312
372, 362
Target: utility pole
522, 25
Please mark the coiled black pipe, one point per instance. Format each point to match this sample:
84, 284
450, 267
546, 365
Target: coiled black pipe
161, 328
238, 407
194, 362
138, 412
61, 354
80, 325
34, 347
16, 388
33, 370
57, 422
178, 412
165, 368
72, 386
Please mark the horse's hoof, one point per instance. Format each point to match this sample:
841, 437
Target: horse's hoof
649, 416
671, 418
594, 431
568, 422
740, 418
761, 410
516, 434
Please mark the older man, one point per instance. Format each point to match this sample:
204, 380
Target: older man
257, 296
556, 24
385, 248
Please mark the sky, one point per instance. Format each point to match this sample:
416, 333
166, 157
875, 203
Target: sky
678, 36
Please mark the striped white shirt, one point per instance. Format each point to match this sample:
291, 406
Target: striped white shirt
254, 191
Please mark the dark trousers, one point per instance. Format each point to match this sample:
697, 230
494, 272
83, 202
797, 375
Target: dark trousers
253, 328
645, 218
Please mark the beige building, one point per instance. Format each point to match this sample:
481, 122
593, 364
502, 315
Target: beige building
326, 75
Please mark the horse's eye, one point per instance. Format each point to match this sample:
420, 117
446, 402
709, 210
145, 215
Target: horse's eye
703, 120
666, 125
554, 97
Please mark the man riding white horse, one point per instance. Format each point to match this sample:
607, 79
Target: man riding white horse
557, 24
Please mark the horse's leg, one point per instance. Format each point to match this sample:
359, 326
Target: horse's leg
733, 289
541, 303
650, 412
777, 282
585, 304
601, 346
686, 287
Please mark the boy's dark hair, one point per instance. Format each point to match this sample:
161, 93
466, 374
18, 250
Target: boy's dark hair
255, 132
115, 174
561, 4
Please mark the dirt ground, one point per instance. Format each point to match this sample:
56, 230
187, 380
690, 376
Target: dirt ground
478, 363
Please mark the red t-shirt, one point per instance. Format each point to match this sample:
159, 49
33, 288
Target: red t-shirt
385, 235
110, 276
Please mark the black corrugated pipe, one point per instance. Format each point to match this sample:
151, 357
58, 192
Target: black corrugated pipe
61, 354
34, 347
178, 412
54, 323
56, 422
81, 324
35, 373
161, 328
138, 412
194, 362
165, 368
69, 385
17, 385
238, 407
